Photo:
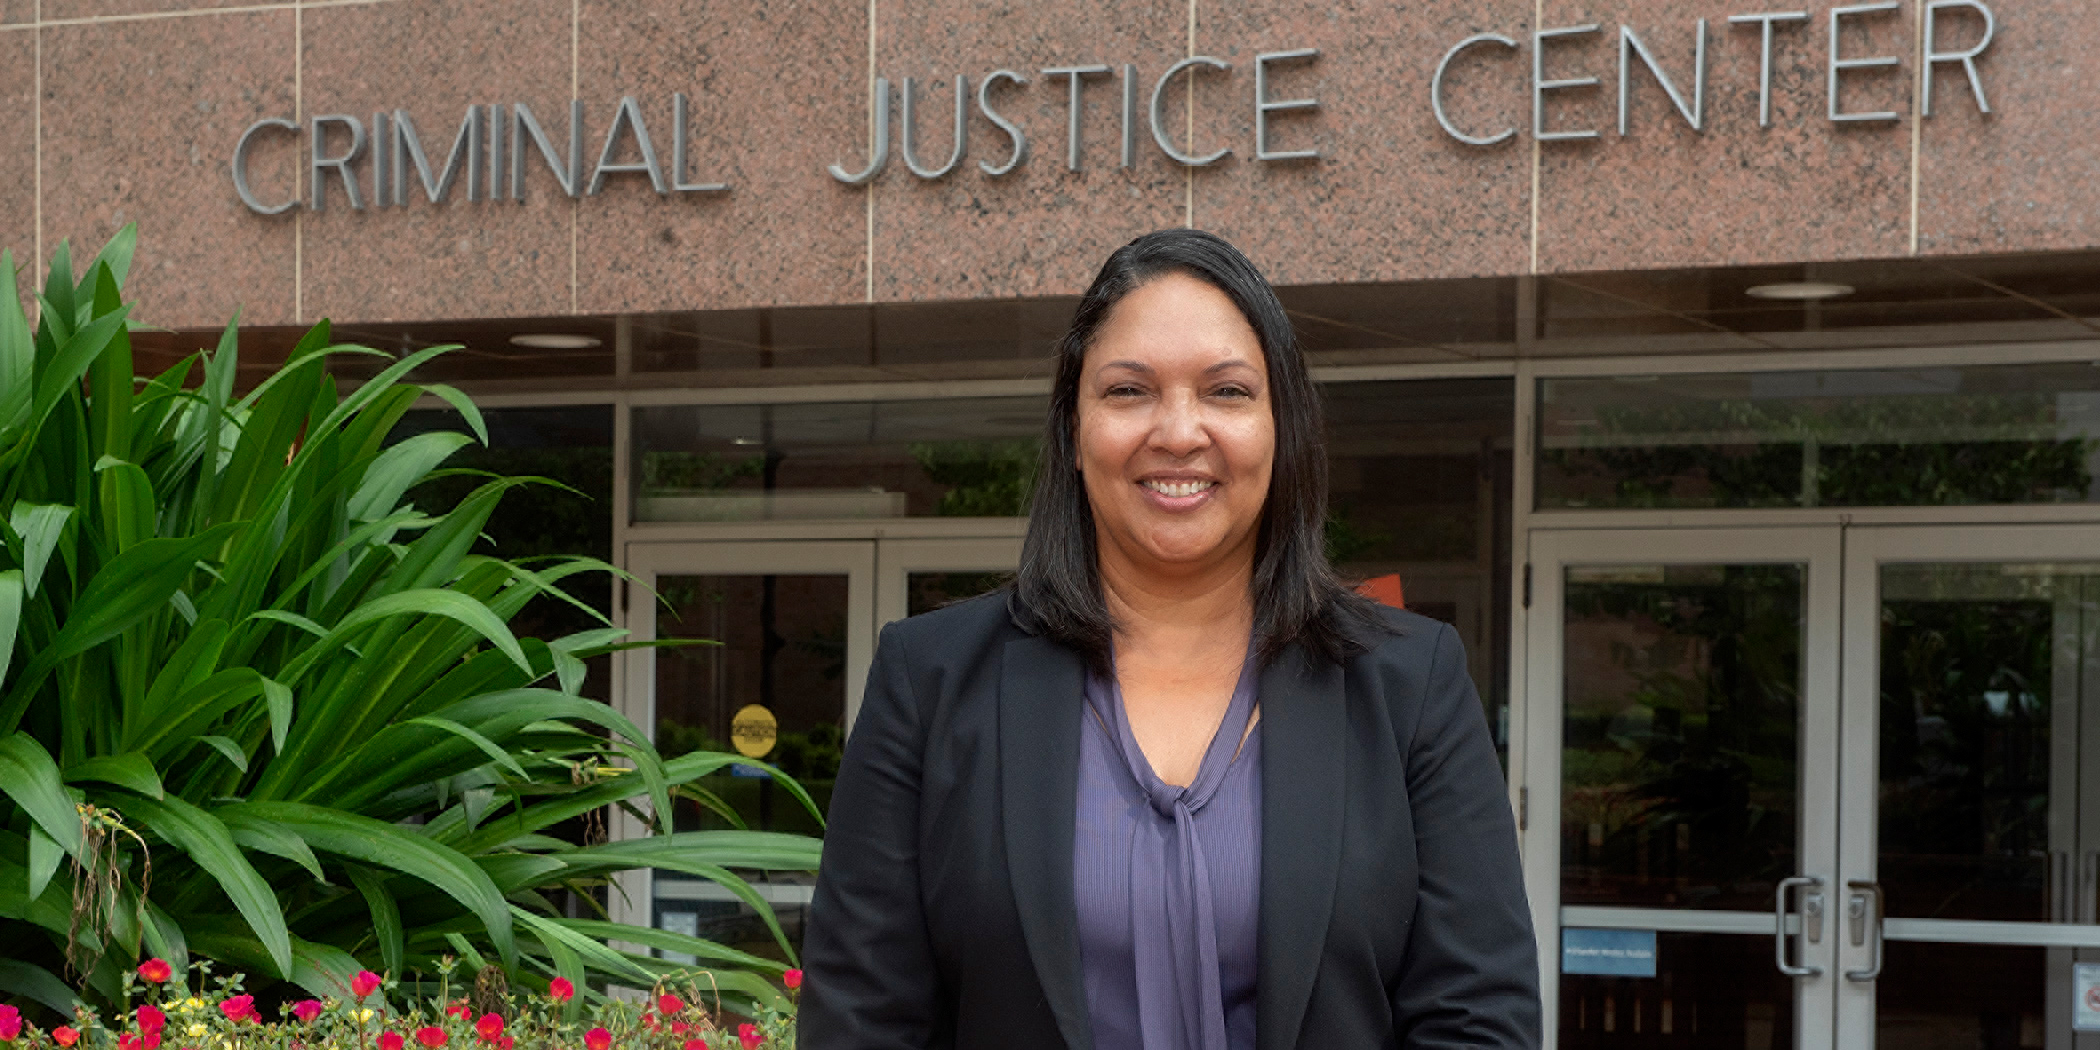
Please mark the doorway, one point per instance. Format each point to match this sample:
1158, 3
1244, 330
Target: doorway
776, 639
1813, 787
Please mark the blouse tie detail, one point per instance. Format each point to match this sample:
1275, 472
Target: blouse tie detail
1174, 868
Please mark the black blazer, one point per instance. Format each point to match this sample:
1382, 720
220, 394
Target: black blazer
1392, 906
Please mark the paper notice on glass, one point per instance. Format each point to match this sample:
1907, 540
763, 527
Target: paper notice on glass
1615, 953
2085, 997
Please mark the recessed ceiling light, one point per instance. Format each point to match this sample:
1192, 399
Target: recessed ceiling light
1800, 291
555, 341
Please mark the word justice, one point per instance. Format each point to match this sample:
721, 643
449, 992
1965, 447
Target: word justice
489, 156
1014, 152
1770, 29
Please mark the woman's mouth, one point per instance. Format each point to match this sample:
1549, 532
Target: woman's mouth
1179, 489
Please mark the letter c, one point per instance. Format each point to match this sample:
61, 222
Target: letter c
1436, 90
240, 168
1159, 135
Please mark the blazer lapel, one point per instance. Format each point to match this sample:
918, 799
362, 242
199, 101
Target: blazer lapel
1041, 698
1304, 726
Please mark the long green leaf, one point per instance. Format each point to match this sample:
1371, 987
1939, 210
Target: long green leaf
392, 848
133, 771
276, 840
210, 843
30, 777
17, 351
386, 915
35, 982
10, 617
426, 602
488, 747
40, 526
398, 469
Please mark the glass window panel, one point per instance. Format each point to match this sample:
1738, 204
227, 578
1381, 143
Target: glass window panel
962, 457
1682, 687
1987, 434
1986, 677
1420, 488
1968, 997
927, 591
1710, 991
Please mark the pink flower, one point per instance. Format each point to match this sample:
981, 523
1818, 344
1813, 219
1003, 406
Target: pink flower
489, 1027
506, 1042
306, 1010
151, 1019
597, 1039
747, 1033
390, 1041
430, 1037
365, 983
155, 971
561, 990
792, 978
696, 1044
669, 1004
10, 1023
241, 1008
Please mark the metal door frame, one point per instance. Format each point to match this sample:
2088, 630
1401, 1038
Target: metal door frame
1867, 549
1819, 550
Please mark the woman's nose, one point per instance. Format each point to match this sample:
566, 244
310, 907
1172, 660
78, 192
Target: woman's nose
1180, 429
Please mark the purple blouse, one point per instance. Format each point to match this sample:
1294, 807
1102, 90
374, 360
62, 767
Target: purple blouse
1168, 883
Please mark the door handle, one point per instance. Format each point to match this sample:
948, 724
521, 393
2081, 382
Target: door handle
1811, 922
1863, 913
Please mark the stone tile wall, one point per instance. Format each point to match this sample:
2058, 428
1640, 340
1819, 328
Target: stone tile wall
114, 111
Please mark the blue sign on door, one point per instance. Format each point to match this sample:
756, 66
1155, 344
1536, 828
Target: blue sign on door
1607, 953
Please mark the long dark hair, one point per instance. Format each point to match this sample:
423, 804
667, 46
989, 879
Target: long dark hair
1297, 598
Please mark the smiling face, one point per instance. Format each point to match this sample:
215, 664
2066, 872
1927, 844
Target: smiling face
1176, 435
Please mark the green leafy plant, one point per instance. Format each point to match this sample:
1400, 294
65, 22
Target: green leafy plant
257, 708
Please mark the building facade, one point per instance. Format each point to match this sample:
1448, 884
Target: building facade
1729, 377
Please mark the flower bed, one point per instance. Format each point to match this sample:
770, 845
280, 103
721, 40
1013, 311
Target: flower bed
161, 1010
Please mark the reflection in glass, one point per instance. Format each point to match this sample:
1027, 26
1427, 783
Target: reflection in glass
776, 641
968, 457
1964, 997
1682, 686
927, 591
1900, 437
1710, 991
1982, 667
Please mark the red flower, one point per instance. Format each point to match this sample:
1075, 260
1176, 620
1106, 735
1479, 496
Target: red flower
306, 1010
430, 1037
10, 1023
65, 1035
127, 1041
390, 1041
365, 983
696, 1044
792, 978
155, 971
649, 1020
241, 1008
669, 1004
151, 1019
747, 1033
489, 1027
597, 1039
459, 1010
561, 990
506, 1042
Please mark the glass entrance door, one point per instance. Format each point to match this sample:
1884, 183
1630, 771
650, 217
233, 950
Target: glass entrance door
780, 634
1680, 824
1971, 845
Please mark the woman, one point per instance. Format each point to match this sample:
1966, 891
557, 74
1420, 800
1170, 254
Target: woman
1177, 788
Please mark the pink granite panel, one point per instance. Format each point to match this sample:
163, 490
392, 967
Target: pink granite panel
1391, 196
776, 91
1735, 194
140, 119
17, 12
459, 257
18, 147
2021, 178
1041, 229
61, 10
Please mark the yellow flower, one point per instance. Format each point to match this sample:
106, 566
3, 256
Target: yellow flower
364, 1015
193, 1004
196, 1030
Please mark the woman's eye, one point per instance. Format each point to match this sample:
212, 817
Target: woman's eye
1234, 391
1125, 390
